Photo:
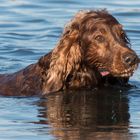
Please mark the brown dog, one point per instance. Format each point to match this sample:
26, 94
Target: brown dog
93, 47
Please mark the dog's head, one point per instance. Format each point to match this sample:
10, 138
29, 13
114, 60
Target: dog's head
94, 39
105, 44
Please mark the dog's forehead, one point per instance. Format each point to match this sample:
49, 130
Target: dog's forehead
105, 25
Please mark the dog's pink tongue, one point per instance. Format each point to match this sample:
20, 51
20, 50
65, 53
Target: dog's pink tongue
104, 73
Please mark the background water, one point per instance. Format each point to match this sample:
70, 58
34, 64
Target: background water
30, 29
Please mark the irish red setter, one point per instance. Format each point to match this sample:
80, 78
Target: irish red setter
93, 50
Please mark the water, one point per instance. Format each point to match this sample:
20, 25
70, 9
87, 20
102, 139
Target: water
30, 29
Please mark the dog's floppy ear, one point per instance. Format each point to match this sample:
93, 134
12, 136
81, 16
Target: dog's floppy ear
64, 59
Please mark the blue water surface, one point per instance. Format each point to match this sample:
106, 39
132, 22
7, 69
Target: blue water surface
30, 29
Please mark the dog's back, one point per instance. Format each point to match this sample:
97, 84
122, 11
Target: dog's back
25, 82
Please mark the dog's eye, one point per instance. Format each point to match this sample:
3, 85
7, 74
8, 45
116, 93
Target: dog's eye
100, 38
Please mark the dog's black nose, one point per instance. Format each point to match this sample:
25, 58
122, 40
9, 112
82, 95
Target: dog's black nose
130, 59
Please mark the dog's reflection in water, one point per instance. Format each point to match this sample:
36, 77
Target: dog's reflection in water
87, 115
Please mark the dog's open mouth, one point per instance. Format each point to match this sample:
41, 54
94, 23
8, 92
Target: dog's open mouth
125, 73
104, 72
